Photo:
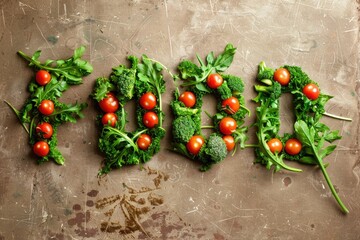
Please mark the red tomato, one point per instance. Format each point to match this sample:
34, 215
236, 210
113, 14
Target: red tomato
275, 145
44, 129
214, 80
231, 105
229, 142
46, 107
41, 148
144, 141
150, 119
293, 146
109, 119
227, 125
188, 98
194, 145
148, 101
43, 77
282, 76
311, 91
109, 104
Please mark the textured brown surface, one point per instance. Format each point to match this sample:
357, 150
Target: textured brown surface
170, 198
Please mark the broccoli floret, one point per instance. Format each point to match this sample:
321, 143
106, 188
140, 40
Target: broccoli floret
183, 128
273, 91
264, 72
124, 80
189, 70
224, 91
215, 149
235, 84
298, 79
179, 109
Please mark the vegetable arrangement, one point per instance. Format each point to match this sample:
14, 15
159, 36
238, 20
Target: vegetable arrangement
143, 82
43, 112
228, 121
307, 143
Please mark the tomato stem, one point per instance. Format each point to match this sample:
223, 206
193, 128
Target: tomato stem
17, 113
337, 117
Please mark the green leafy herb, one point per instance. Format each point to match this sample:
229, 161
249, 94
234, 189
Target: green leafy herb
63, 74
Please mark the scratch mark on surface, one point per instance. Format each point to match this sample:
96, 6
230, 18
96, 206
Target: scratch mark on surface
215, 225
170, 44
22, 5
42, 35
3, 17
211, 7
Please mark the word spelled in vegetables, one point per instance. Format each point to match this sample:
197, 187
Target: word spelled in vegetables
43, 112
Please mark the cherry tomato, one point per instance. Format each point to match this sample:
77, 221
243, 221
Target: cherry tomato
46, 107
231, 105
214, 80
282, 76
194, 145
150, 119
109, 119
43, 77
143, 141
229, 142
109, 104
148, 101
227, 125
275, 145
41, 148
311, 91
293, 146
188, 98
44, 129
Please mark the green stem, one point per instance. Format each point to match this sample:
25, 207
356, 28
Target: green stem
251, 145
122, 134
337, 117
327, 178
207, 127
204, 76
166, 69
247, 110
17, 113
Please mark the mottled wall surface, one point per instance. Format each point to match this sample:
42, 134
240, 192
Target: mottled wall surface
169, 198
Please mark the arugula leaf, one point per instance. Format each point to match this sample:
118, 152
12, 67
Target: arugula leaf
306, 135
194, 75
72, 69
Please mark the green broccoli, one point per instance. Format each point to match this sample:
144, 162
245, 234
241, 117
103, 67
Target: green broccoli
214, 151
273, 91
179, 109
183, 128
235, 84
224, 91
124, 79
189, 70
264, 72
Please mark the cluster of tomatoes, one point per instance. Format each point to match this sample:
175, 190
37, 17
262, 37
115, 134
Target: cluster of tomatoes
292, 146
44, 129
227, 125
110, 104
